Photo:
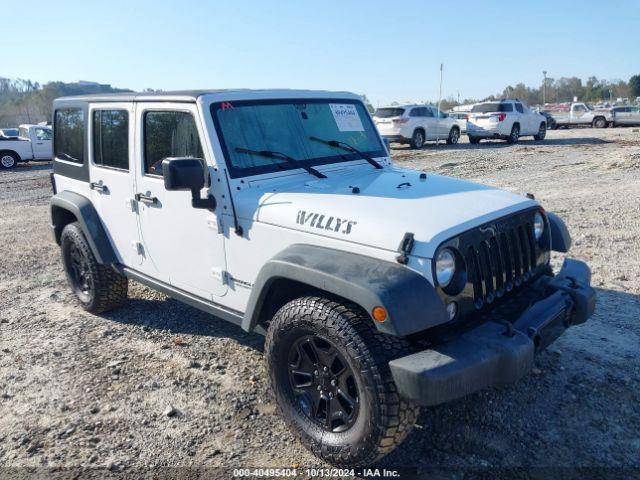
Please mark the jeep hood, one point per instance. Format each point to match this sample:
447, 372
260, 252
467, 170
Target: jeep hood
390, 203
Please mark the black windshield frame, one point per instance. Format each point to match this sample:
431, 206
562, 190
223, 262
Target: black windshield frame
341, 156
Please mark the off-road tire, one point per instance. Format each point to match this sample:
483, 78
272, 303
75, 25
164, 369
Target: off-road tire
454, 136
384, 419
417, 139
599, 122
542, 132
474, 140
6, 160
514, 135
107, 288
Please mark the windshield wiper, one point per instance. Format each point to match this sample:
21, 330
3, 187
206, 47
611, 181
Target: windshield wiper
273, 155
347, 147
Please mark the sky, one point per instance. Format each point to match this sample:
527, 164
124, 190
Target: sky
390, 51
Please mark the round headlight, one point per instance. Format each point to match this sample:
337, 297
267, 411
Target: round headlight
445, 267
538, 225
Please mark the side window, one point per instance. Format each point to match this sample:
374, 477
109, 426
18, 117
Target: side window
428, 112
579, 108
69, 134
111, 138
23, 132
519, 108
417, 112
43, 134
169, 134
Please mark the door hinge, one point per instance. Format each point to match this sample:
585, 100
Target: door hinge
221, 275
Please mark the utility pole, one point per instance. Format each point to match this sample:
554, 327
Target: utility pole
439, 102
544, 87
458, 97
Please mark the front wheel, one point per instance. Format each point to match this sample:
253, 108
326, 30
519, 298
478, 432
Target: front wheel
454, 136
329, 373
542, 132
8, 160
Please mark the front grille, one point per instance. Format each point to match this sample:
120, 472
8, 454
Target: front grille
497, 264
499, 257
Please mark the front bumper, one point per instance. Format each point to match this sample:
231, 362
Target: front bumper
498, 353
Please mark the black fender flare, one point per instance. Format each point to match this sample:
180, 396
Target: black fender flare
82, 209
412, 303
560, 237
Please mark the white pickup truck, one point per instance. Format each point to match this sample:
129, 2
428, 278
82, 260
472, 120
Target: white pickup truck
33, 143
567, 114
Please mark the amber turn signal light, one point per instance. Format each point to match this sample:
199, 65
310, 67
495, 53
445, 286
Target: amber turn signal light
379, 314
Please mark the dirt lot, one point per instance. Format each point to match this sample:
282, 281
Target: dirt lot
84, 390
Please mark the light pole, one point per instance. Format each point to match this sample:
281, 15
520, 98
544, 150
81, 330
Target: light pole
544, 87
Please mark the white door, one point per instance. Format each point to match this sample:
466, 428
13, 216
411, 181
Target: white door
181, 245
41, 143
112, 176
430, 123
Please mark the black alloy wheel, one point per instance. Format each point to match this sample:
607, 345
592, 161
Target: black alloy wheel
322, 383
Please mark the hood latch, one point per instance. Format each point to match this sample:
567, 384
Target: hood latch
405, 247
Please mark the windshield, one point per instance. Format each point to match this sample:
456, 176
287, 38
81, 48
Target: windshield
286, 127
388, 112
492, 107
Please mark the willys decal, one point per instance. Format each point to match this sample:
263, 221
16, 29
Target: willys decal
325, 222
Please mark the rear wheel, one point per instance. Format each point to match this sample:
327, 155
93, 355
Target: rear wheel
417, 140
454, 136
599, 122
98, 287
515, 134
329, 373
474, 140
542, 132
8, 160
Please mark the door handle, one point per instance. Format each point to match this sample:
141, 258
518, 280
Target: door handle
98, 186
38, 143
141, 197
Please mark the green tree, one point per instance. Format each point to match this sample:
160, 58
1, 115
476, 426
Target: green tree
634, 86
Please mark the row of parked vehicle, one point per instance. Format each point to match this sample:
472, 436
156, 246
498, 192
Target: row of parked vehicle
416, 124
25, 143
505, 119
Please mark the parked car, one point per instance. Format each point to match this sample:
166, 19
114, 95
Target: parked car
9, 132
572, 114
32, 143
506, 119
460, 118
416, 124
378, 288
625, 116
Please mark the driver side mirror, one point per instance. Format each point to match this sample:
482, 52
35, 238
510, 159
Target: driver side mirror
187, 174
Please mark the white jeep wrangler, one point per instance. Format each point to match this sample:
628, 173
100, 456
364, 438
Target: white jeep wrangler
379, 289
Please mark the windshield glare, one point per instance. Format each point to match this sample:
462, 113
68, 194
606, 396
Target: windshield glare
286, 127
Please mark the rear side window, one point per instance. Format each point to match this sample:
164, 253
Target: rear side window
492, 107
519, 108
111, 138
388, 112
69, 134
418, 112
169, 134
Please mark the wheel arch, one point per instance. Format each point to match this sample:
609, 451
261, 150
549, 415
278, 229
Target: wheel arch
13, 152
411, 301
67, 207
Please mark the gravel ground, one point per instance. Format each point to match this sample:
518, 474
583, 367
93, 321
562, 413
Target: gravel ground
158, 383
